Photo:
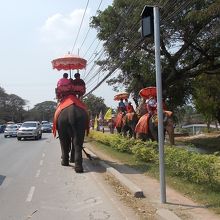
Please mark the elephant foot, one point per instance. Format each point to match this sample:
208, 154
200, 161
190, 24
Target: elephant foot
64, 163
79, 169
72, 160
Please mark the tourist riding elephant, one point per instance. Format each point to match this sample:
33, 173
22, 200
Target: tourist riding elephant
147, 127
71, 123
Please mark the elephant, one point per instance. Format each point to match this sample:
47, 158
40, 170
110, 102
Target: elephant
71, 124
119, 121
149, 126
126, 122
129, 122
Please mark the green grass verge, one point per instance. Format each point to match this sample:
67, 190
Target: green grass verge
210, 197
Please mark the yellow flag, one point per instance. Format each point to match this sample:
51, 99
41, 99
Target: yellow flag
95, 123
108, 114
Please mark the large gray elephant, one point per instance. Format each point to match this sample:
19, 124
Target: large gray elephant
71, 124
168, 126
149, 126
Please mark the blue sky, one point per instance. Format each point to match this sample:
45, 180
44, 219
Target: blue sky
33, 33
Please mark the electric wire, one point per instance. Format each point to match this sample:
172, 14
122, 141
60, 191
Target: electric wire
108, 75
114, 69
119, 26
121, 23
80, 26
133, 42
89, 27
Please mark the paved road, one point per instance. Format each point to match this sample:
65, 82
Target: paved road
33, 185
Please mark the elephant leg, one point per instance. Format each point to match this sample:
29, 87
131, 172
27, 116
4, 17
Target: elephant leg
170, 131
130, 132
72, 152
153, 131
78, 140
78, 153
65, 148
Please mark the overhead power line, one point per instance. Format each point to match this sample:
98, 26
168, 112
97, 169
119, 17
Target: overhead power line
120, 27
80, 26
89, 27
115, 68
165, 19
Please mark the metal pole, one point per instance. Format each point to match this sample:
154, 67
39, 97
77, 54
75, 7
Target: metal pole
159, 105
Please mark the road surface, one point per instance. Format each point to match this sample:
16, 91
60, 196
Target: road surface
33, 185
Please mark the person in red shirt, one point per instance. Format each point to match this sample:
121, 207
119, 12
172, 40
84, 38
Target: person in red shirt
63, 81
129, 107
79, 85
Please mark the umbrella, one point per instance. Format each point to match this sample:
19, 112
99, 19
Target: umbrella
121, 95
69, 62
148, 92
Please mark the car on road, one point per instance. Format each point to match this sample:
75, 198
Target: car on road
2, 128
46, 128
30, 129
11, 130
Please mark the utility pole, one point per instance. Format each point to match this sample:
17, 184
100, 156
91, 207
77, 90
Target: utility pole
159, 104
151, 27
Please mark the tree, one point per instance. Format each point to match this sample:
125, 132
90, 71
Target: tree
206, 97
189, 45
15, 106
3, 99
11, 107
95, 105
43, 111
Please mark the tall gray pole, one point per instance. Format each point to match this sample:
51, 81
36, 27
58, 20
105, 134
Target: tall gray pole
159, 104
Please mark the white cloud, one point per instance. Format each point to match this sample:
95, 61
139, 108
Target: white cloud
60, 29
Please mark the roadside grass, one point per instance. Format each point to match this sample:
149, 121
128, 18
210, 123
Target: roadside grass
200, 193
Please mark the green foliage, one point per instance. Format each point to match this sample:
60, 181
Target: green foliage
206, 96
194, 167
146, 151
43, 111
11, 107
95, 105
189, 45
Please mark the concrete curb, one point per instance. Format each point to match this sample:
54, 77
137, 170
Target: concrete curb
162, 213
165, 214
133, 189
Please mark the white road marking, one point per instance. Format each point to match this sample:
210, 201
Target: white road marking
41, 162
30, 194
37, 174
43, 155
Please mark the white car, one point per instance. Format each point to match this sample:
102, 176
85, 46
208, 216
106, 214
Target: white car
30, 129
11, 130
